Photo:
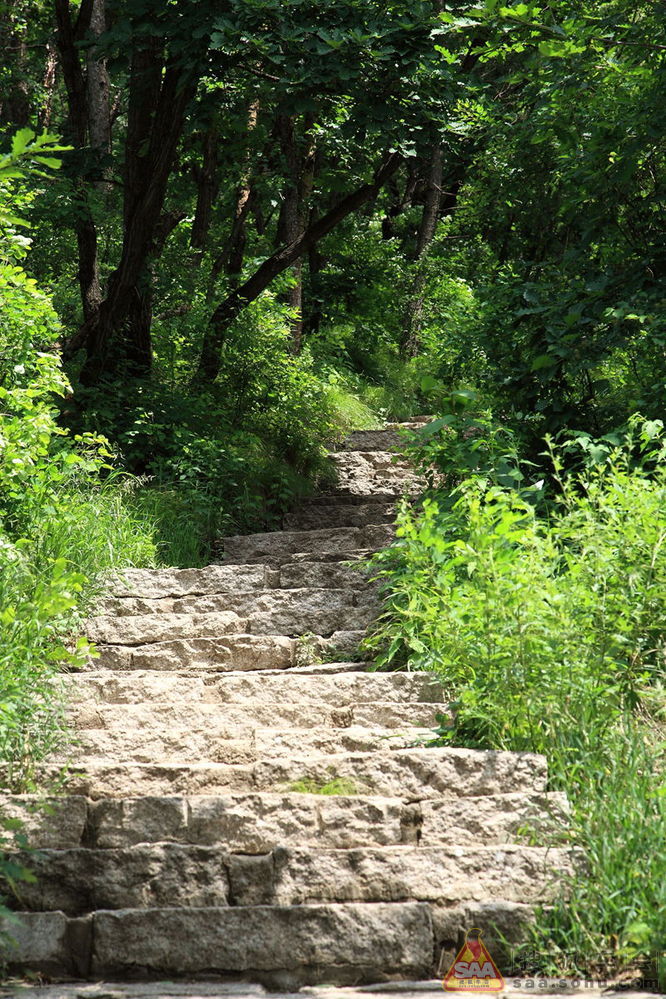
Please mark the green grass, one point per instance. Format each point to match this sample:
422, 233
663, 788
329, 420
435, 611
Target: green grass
335, 786
47, 582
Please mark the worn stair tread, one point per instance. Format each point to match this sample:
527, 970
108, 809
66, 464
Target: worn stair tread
311, 517
217, 720
233, 578
390, 438
258, 821
339, 690
236, 651
280, 945
245, 603
365, 473
248, 548
223, 741
80, 880
150, 629
411, 773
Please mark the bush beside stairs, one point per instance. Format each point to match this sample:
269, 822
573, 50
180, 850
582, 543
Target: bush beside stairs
196, 837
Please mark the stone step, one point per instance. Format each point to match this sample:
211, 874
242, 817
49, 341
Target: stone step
224, 653
323, 515
82, 880
391, 438
256, 822
280, 545
409, 773
260, 690
141, 733
440, 875
286, 621
156, 584
280, 946
272, 612
367, 473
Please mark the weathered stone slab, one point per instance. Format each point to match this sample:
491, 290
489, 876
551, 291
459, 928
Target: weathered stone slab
142, 736
143, 629
366, 473
417, 773
390, 438
322, 574
247, 604
492, 818
256, 689
254, 822
47, 942
313, 517
230, 720
503, 923
257, 822
79, 881
299, 945
413, 774
276, 544
47, 821
223, 653
156, 583
445, 875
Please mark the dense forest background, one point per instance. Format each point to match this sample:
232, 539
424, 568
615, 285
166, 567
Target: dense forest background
273, 215
231, 232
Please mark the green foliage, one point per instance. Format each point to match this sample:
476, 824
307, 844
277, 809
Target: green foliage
225, 459
547, 621
335, 786
61, 526
567, 192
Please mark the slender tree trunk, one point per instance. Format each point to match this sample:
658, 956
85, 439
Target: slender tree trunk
49, 85
89, 123
230, 260
312, 322
425, 236
289, 227
97, 87
296, 195
278, 262
207, 188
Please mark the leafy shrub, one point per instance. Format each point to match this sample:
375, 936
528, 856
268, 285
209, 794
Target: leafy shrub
546, 618
61, 526
228, 458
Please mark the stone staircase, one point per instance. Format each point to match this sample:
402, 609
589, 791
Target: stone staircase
247, 802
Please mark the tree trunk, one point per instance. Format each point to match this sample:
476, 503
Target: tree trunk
49, 86
97, 87
230, 260
89, 123
428, 225
294, 212
158, 100
207, 188
233, 304
312, 321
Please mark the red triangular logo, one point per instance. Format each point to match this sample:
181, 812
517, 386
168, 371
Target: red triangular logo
473, 969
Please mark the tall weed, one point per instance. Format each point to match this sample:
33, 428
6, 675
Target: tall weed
544, 611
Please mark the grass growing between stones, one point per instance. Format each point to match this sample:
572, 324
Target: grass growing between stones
545, 614
336, 786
